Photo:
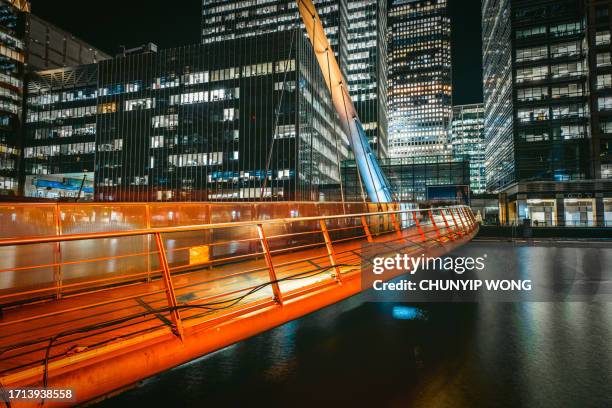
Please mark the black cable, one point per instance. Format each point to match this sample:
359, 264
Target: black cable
207, 306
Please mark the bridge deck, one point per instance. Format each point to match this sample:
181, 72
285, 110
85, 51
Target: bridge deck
31, 327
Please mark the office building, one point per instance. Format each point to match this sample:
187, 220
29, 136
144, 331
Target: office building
367, 68
13, 23
229, 120
420, 87
467, 141
60, 134
547, 83
357, 33
225, 20
27, 43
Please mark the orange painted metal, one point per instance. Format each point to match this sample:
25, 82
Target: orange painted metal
140, 353
433, 222
451, 235
278, 296
470, 217
396, 225
330, 250
170, 293
366, 228
418, 225
457, 227
465, 226
468, 220
57, 255
153, 353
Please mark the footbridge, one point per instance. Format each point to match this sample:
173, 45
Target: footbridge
97, 297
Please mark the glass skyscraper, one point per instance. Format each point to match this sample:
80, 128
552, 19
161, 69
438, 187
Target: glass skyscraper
229, 19
467, 140
547, 88
367, 68
242, 119
420, 87
27, 43
356, 30
13, 23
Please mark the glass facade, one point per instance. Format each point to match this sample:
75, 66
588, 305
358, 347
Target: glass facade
420, 87
551, 90
555, 143
599, 26
229, 19
557, 92
357, 32
243, 119
410, 177
467, 140
13, 18
60, 135
497, 93
367, 68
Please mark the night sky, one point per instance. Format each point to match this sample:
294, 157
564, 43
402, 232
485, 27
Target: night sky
109, 24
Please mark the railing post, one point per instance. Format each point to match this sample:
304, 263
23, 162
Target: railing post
170, 294
416, 221
457, 227
433, 222
468, 222
330, 250
450, 232
396, 225
366, 228
468, 219
278, 297
57, 255
465, 229
471, 215
148, 241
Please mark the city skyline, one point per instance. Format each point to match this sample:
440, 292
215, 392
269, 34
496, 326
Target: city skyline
246, 201
130, 30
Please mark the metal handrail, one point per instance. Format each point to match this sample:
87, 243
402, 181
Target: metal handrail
332, 255
200, 227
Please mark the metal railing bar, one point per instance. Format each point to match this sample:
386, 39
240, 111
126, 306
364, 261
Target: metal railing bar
80, 261
213, 244
70, 285
202, 227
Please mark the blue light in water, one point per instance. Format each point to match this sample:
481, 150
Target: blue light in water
406, 313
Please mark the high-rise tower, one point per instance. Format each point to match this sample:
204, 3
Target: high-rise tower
420, 87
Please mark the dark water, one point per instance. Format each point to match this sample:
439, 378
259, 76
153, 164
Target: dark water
358, 353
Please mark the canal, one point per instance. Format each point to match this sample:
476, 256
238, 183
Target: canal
364, 353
